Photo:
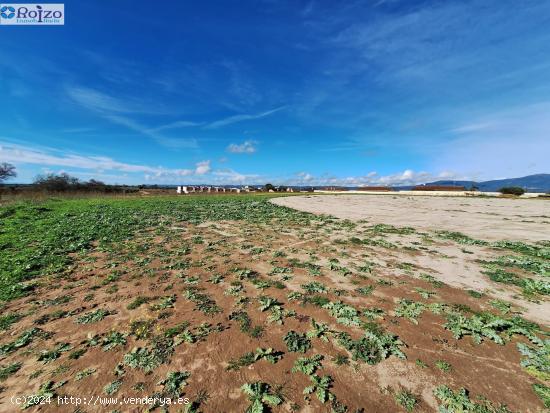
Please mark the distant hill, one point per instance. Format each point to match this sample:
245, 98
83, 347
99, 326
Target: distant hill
531, 183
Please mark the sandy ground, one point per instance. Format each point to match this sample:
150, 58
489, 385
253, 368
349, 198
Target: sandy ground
482, 218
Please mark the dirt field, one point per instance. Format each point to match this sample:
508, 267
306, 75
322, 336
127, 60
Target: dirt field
488, 219
483, 218
240, 305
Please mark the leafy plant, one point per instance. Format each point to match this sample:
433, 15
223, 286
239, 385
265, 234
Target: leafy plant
112, 340
245, 360
308, 365
475, 294
543, 392
8, 370
490, 326
249, 358
7, 320
460, 238
51, 355
46, 391
141, 329
452, 402
426, 294
314, 287
443, 366
432, 280
345, 314
173, 383
148, 359
94, 316
373, 347
406, 399
203, 302
319, 330
372, 313
164, 303
321, 386
503, 306
410, 310
84, 373
267, 303
268, 354
137, 302
536, 360
76, 354
297, 342
112, 387
341, 360
23, 340
245, 323
367, 290
260, 394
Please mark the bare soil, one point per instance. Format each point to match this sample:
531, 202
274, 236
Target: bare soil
483, 218
157, 265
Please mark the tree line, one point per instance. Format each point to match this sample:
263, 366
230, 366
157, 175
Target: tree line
64, 182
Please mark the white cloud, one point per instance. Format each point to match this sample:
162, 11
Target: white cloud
305, 177
407, 177
202, 168
108, 169
245, 147
229, 176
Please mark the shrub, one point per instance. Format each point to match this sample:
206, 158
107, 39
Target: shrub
512, 190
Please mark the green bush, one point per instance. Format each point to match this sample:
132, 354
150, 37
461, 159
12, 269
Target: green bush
512, 190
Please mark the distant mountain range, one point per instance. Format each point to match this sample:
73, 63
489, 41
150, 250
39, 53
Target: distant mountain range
531, 183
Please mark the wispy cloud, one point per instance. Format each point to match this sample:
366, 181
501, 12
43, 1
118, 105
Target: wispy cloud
240, 118
118, 110
215, 124
512, 142
248, 147
19, 154
176, 125
173, 143
102, 102
472, 127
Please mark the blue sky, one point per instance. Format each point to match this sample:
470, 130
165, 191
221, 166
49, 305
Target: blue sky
294, 92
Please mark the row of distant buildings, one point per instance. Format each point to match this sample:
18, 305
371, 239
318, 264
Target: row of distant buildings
455, 188
193, 189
